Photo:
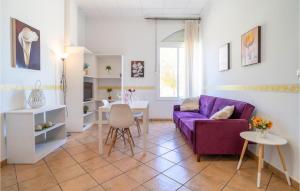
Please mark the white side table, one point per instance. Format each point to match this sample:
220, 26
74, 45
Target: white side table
270, 139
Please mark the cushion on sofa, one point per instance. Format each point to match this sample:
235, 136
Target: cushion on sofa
206, 105
220, 103
190, 104
224, 113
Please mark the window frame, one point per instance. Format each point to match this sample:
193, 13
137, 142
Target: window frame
176, 45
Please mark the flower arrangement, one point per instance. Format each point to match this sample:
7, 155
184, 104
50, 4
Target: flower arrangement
108, 68
109, 90
85, 68
260, 125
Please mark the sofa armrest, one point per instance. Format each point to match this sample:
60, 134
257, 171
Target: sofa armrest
219, 135
176, 108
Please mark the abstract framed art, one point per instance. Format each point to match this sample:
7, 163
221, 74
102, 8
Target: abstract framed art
251, 47
25, 46
224, 57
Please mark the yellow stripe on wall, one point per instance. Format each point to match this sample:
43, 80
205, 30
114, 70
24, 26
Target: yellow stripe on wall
20, 88
281, 88
127, 87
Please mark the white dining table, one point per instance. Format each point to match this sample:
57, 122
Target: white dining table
135, 106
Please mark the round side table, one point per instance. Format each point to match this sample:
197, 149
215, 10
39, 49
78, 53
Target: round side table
270, 139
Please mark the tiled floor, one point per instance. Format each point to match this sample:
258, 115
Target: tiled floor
169, 165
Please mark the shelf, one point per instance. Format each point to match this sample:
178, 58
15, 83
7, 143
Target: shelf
88, 114
42, 149
87, 126
84, 102
87, 76
37, 110
109, 77
37, 133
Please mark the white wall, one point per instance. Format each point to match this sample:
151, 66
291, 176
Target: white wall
225, 21
135, 40
75, 24
47, 16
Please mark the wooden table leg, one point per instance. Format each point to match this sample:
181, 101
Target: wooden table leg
145, 129
260, 154
242, 155
100, 132
284, 165
263, 156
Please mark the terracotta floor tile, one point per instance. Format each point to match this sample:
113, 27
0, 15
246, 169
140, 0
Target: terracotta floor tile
29, 173
278, 184
142, 173
20, 167
145, 157
77, 149
84, 156
72, 143
170, 145
162, 183
180, 174
158, 150
140, 188
11, 188
173, 156
55, 188
68, 173
115, 156
58, 154
126, 164
119, 183
192, 164
38, 183
97, 188
8, 176
58, 164
160, 164
80, 183
94, 163
105, 173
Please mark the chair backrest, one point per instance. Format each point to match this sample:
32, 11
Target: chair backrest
105, 102
120, 116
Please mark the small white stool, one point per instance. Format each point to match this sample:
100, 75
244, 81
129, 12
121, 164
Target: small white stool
270, 139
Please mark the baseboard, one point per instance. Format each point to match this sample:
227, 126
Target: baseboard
274, 170
161, 119
3, 163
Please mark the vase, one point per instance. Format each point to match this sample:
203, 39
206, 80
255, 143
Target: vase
36, 98
262, 133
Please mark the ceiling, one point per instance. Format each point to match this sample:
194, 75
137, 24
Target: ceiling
141, 8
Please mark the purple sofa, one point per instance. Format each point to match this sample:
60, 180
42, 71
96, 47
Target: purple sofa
208, 136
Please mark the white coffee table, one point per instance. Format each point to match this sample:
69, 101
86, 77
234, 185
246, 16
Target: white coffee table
270, 139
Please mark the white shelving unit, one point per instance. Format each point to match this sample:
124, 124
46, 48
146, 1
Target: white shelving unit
27, 146
77, 121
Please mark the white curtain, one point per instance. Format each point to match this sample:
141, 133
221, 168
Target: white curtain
193, 66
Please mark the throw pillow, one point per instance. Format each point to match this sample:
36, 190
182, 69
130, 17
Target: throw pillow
190, 104
224, 113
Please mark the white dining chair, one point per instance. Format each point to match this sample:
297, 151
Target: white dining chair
120, 119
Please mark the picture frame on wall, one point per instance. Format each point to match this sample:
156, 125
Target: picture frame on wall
137, 69
25, 46
251, 47
224, 57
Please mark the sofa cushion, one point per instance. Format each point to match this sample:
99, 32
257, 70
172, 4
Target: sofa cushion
206, 105
224, 113
190, 104
187, 129
220, 103
178, 115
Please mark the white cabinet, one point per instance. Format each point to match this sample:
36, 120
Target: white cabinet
27, 146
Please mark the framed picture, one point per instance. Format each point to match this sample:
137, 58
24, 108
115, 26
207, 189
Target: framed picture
224, 57
137, 69
251, 42
25, 46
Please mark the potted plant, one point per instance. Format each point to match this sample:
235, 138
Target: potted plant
85, 109
108, 68
109, 90
85, 68
261, 125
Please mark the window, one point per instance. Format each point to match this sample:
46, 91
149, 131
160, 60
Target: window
172, 71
